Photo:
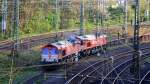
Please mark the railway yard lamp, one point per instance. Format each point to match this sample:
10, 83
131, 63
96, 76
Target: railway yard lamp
135, 68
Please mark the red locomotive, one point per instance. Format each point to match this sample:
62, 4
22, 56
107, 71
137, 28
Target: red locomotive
73, 48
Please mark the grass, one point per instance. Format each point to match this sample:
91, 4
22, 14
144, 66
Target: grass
25, 59
25, 75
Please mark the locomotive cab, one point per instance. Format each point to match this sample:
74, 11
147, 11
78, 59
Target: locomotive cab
87, 40
49, 54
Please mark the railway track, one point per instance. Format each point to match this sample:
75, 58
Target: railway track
115, 73
146, 78
83, 65
85, 75
113, 43
33, 41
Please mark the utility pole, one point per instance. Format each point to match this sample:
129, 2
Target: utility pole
90, 10
97, 17
135, 69
147, 9
81, 17
15, 27
55, 19
126, 19
15, 38
102, 14
4, 17
125, 26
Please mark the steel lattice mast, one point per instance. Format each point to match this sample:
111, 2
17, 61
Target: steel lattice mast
135, 69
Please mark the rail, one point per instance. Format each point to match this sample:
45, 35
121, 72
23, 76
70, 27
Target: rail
120, 57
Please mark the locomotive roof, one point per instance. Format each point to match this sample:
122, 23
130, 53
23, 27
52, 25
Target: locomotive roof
90, 37
62, 44
87, 37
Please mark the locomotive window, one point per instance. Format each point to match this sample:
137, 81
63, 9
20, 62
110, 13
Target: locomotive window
64, 52
57, 51
81, 42
88, 44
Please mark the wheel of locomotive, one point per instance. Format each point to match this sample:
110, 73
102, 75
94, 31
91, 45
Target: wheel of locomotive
86, 53
90, 51
60, 60
66, 59
99, 49
105, 47
81, 53
96, 50
71, 58
76, 57
93, 51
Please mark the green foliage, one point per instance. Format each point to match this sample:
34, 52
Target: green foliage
20, 75
42, 18
72, 23
115, 12
44, 24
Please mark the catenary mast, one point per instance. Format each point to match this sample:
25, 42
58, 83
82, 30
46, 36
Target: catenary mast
135, 69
